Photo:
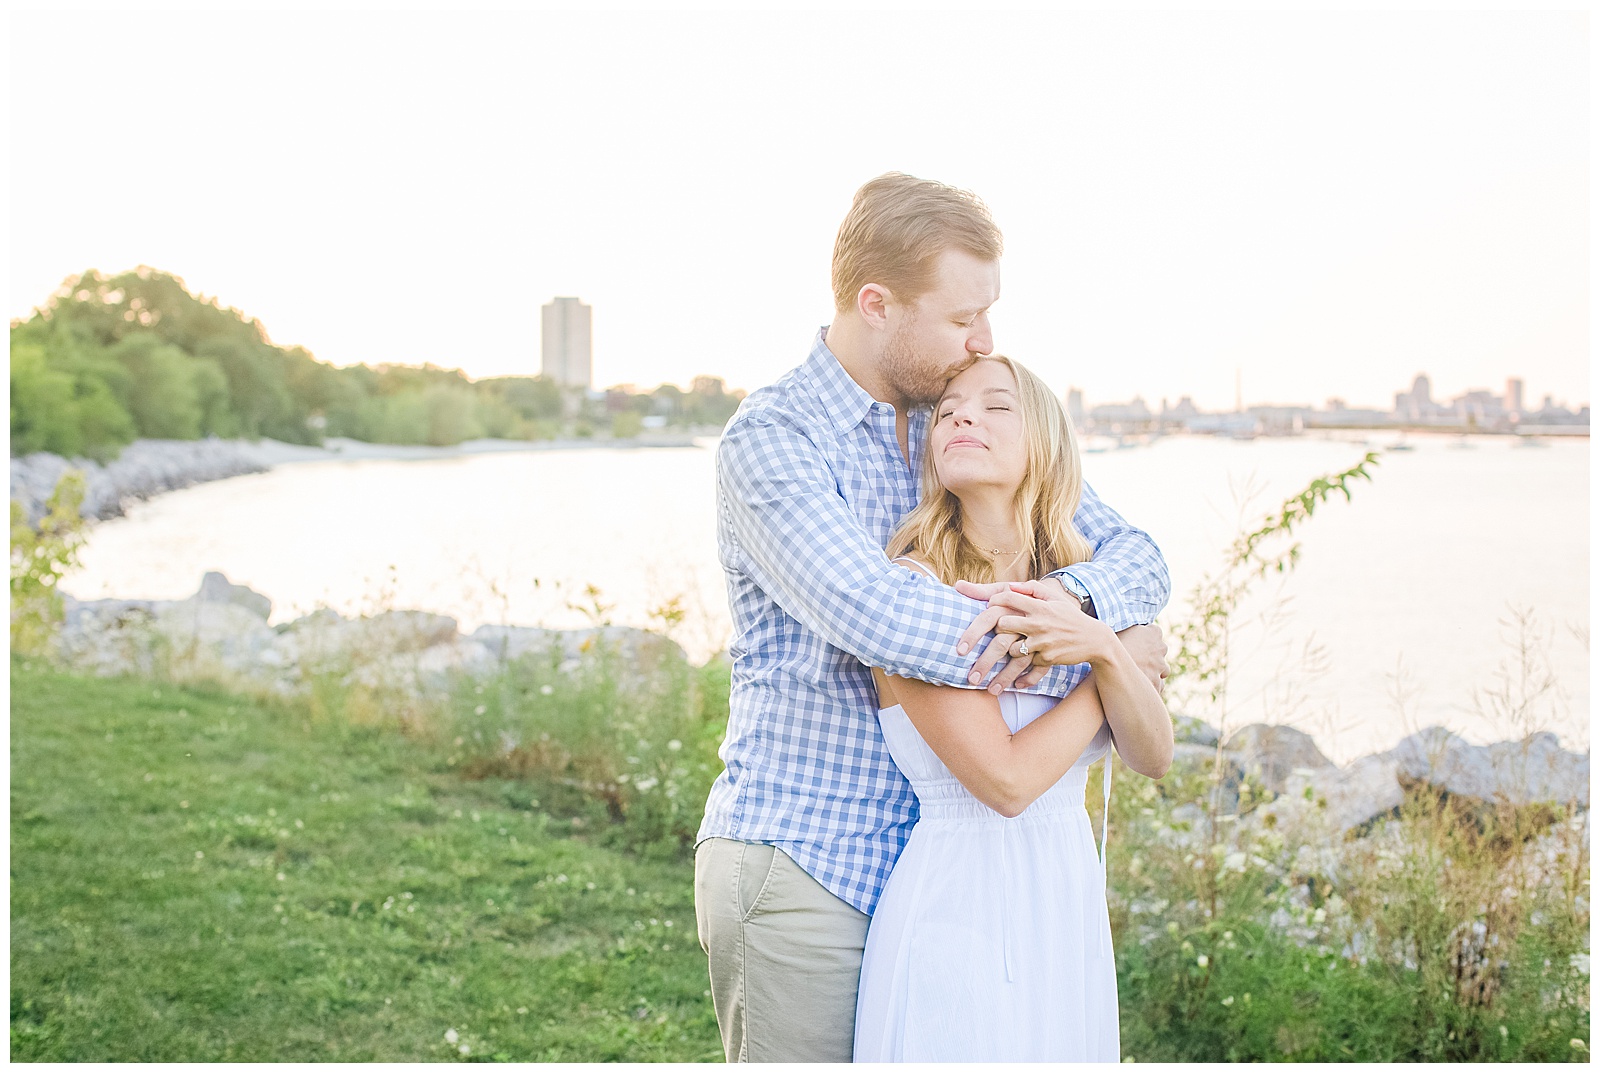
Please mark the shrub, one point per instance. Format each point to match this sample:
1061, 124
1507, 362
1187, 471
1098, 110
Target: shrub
39, 559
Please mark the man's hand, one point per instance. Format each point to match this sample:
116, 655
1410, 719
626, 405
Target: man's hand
1149, 650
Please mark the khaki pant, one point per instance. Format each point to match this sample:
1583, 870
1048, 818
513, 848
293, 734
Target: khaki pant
785, 955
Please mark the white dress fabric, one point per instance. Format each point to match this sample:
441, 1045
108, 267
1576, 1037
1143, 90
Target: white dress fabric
991, 941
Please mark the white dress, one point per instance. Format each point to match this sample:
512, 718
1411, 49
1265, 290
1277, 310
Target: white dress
991, 941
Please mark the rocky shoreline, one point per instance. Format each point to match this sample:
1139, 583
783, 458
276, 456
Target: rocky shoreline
221, 633
147, 468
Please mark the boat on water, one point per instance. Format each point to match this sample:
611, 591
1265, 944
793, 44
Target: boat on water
1531, 441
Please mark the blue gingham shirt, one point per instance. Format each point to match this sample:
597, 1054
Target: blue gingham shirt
810, 483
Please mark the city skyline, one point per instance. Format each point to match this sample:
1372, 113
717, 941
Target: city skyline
1182, 194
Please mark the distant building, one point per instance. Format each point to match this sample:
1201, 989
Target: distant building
1075, 406
1478, 408
1513, 401
1416, 404
567, 343
1121, 416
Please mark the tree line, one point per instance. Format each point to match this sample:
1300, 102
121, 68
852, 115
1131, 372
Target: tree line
106, 361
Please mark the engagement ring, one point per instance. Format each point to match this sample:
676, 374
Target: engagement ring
1022, 648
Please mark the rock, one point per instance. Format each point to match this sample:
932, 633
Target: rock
217, 589
1368, 788
512, 642
1518, 773
407, 631
206, 632
1186, 728
1272, 752
143, 469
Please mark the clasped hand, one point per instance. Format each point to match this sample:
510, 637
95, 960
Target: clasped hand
1057, 633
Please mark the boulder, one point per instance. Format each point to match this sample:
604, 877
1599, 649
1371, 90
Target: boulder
215, 588
1368, 788
1518, 773
1273, 752
1186, 728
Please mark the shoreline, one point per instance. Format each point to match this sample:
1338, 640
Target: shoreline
148, 468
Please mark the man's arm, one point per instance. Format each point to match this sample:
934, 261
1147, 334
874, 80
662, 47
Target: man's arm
1127, 578
806, 548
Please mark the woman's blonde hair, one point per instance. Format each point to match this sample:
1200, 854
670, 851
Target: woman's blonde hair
1045, 503
895, 230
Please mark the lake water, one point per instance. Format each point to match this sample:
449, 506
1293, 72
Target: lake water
1416, 573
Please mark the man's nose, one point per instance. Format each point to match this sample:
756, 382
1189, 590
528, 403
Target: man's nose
982, 340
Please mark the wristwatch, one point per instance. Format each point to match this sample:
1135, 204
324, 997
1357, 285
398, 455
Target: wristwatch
1075, 587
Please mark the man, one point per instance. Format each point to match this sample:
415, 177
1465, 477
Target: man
813, 473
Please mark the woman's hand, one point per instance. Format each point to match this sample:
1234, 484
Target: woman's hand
1051, 624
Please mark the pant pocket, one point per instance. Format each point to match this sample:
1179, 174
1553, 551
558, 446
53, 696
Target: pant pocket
754, 877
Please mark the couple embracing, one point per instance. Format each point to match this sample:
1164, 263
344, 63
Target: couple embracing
938, 628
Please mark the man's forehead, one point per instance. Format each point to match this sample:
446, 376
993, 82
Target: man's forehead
969, 284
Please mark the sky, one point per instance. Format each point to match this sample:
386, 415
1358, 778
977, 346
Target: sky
1312, 204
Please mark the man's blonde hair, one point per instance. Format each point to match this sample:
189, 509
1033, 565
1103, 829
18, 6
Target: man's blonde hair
1045, 504
895, 231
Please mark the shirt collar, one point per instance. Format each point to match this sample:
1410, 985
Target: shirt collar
844, 401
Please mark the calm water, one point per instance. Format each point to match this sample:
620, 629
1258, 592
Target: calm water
1415, 573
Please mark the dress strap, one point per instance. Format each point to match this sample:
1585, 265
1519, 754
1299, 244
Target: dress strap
914, 562
1105, 817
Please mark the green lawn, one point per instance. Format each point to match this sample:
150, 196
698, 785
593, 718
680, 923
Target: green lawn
197, 878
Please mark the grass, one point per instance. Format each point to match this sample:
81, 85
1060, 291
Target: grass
198, 878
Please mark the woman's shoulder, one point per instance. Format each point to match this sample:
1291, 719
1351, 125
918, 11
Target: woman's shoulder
916, 566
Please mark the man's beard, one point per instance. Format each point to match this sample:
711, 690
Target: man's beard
918, 382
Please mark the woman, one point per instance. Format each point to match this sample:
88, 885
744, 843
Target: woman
991, 941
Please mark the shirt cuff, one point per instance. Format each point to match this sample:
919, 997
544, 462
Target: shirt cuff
1074, 586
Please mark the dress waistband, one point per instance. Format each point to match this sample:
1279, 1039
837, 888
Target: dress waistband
939, 804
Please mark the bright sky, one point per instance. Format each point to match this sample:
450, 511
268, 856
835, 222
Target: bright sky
1329, 203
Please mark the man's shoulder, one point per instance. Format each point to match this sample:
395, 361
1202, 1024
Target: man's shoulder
786, 409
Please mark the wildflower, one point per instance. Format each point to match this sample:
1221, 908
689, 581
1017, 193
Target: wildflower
300, 824
1503, 1032
674, 745
464, 1049
281, 877
479, 710
1320, 915
450, 1035
522, 1009
199, 854
1578, 1045
1202, 961
1228, 1001
547, 690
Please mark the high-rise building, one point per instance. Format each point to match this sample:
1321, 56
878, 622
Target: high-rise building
567, 340
1513, 396
1075, 406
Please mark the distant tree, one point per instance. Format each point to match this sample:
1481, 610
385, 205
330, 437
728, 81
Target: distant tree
162, 390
